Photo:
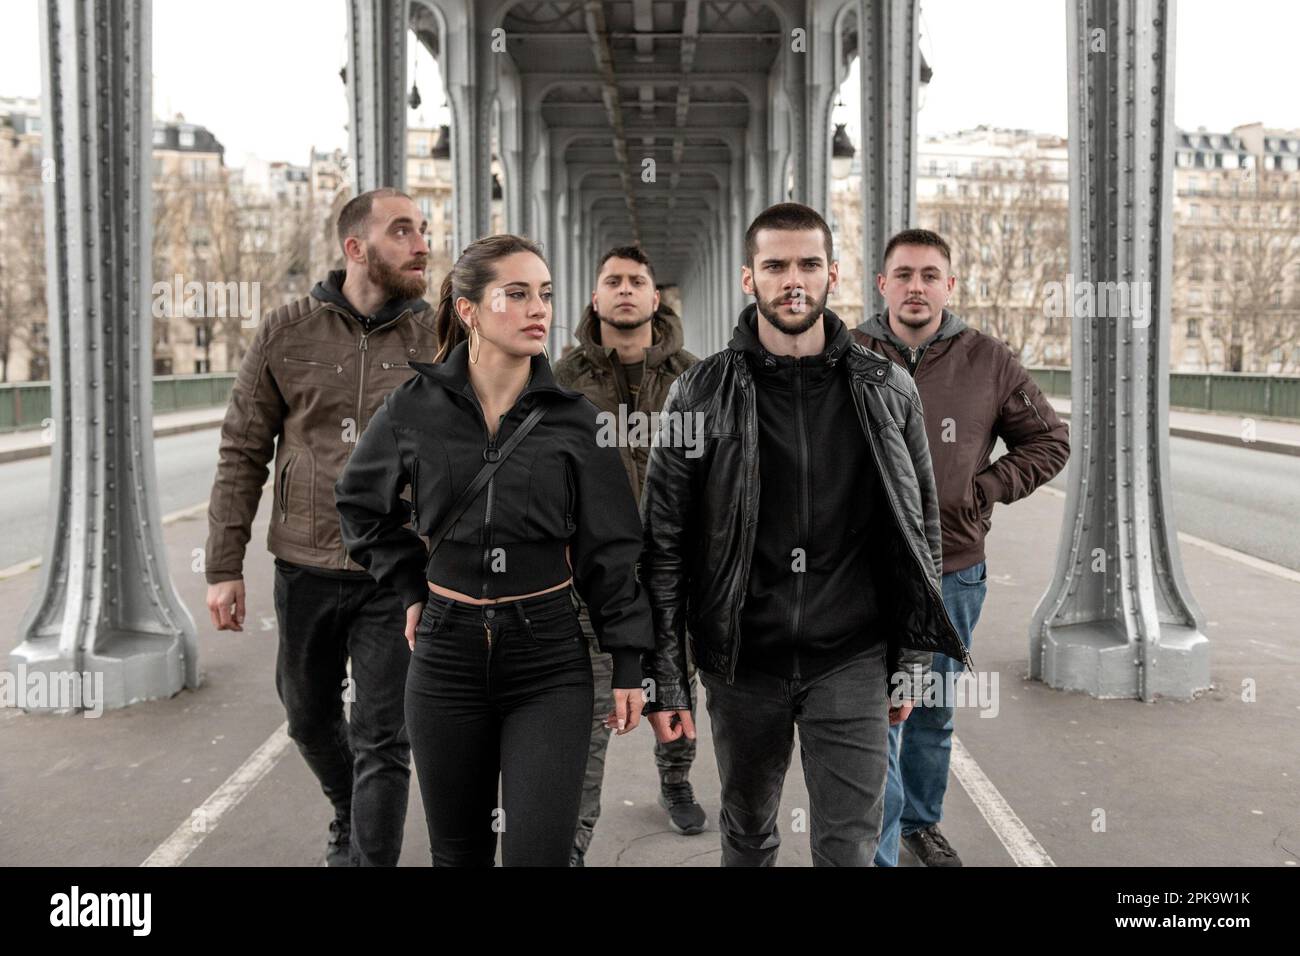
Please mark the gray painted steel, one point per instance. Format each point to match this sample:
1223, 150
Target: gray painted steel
105, 603
1118, 620
376, 80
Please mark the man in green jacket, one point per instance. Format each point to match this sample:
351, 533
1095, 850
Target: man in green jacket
630, 352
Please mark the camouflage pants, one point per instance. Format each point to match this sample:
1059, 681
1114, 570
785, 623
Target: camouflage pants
673, 759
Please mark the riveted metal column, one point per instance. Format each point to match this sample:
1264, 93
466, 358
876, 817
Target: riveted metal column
889, 72
377, 92
471, 74
105, 608
1119, 620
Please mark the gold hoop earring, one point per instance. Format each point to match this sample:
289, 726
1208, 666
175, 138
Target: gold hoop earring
473, 355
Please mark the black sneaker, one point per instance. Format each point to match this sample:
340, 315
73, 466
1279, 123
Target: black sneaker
931, 848
684, 814
338, 852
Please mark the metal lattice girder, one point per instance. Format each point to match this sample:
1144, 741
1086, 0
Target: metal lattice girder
1118, 620
376, 77
889, 69
105, 608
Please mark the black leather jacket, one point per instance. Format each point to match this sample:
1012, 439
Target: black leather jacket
700, 515
559, 492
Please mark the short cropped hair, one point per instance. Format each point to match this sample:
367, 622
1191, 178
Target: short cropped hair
635, 253
917, 237
787, 216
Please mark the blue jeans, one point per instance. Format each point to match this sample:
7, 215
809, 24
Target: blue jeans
843, 720
918, 758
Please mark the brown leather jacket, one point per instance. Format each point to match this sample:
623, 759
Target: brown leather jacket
305, 392
590, 369
975, 392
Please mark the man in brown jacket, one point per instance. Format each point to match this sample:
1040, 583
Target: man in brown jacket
316, 371
974, 392
630, 352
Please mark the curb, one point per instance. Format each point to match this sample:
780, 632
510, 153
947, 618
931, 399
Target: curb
42, 450
1223, 438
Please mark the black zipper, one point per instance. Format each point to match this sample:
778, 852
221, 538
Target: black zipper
284, 491
415, 495
748, 528
796, 611
338, 369
1022, 394
893, 506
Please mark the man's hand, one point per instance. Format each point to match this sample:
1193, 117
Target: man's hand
899, 714
413, 615
226, 605
626, 714
670, 724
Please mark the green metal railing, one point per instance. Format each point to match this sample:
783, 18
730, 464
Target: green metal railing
27, 404
1234, 393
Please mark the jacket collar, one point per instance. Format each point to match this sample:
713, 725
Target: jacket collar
877, 326
666, 336
453, 374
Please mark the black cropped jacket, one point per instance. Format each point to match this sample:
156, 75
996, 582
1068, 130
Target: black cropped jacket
558, 488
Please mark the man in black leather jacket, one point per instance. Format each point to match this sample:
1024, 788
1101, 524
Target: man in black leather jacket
799, 544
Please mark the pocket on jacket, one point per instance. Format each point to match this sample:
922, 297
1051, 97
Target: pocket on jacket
294, 490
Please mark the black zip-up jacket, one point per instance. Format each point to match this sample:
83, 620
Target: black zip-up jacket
811, 601
701, 513
559, 490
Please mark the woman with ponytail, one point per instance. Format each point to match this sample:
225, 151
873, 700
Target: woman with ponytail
520, 506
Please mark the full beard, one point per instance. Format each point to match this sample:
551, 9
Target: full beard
396, 283
800, 323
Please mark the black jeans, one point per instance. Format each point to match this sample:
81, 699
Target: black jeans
363, 766
843, 722
504, 692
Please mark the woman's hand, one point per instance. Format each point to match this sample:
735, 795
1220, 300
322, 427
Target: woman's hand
628, 702
413, 615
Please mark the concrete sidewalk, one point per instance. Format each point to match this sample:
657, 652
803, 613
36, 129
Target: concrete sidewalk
1207, 782
32, 442
1244, 431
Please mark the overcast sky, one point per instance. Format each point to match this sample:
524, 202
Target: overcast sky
263, 74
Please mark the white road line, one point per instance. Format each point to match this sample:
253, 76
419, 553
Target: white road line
186, 838
1015, 836
1223, 551
31, 564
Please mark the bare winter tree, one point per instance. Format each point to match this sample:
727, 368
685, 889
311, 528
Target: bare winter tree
1237, 260
23, 311
1007, 226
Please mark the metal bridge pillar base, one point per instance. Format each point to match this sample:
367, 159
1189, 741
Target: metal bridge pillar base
1118, 619
105, 607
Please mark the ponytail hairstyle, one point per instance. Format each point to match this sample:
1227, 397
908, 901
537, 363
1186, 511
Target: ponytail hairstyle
470, 277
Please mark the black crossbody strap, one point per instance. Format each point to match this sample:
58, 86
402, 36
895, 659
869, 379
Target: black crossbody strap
484, 475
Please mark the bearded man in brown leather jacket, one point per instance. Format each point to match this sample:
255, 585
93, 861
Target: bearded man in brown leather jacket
315, 373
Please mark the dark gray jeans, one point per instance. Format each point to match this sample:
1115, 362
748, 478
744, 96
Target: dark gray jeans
364, 766
843, 722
